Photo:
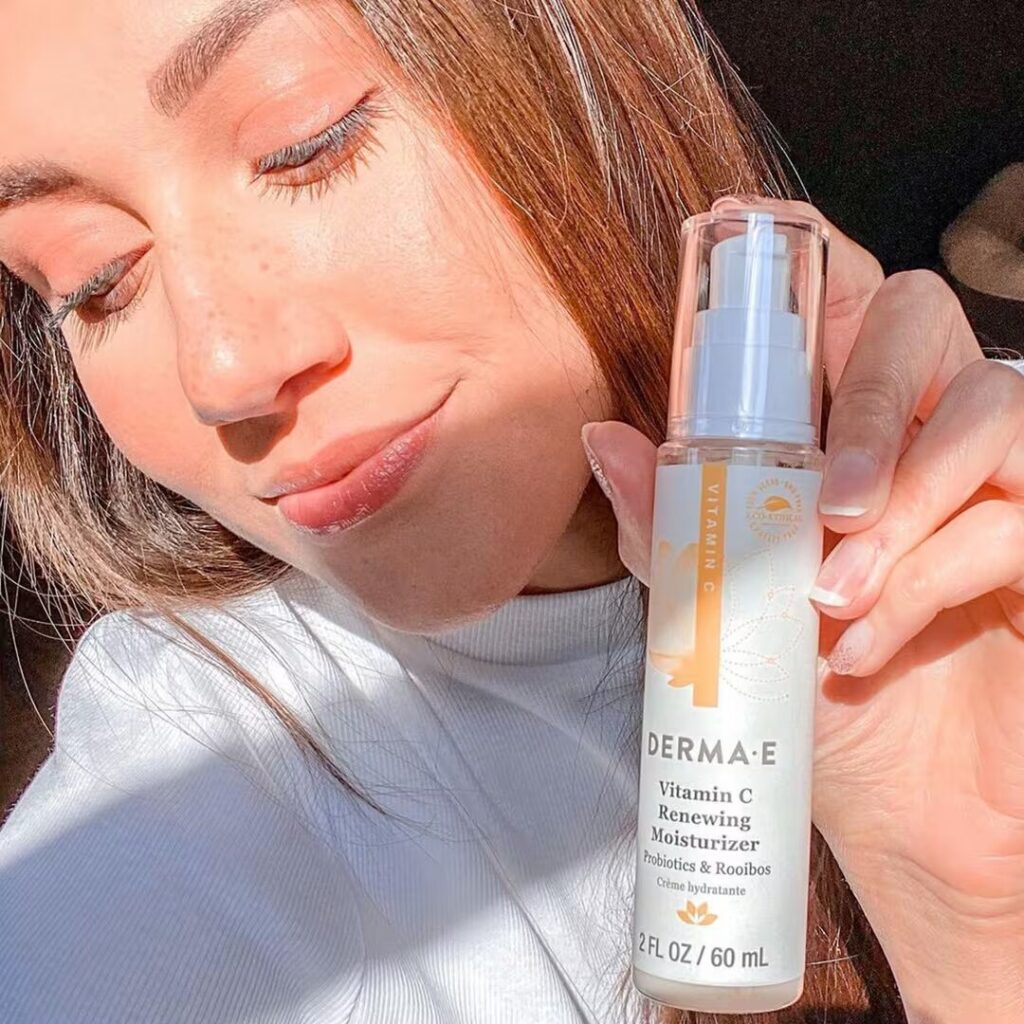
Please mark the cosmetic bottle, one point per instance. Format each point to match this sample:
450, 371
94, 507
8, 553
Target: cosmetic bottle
723, 840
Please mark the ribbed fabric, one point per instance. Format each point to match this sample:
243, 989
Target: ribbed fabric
177, 859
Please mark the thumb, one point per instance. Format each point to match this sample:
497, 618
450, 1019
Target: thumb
623, 462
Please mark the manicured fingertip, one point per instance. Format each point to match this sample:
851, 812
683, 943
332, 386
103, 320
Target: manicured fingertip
828, 598
850, 483
724, 202
846, 511
595, 463
852, 647
847, 572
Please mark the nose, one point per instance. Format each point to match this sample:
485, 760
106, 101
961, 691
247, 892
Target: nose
250, 345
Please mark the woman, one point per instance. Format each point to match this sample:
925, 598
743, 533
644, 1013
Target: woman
248, 245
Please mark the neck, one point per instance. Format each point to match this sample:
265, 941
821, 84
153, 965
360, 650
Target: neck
586, 555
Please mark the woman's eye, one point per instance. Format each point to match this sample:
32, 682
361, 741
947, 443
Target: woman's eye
316, 162
105, 299
311, 165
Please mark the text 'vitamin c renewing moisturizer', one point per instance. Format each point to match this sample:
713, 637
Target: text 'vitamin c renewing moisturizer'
723, 839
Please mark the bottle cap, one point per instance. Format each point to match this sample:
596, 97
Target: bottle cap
746, 360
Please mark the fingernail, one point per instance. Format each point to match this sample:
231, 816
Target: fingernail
848, 488
822, 667
633, 557
735, 200
846, 571
853, 645
595, 465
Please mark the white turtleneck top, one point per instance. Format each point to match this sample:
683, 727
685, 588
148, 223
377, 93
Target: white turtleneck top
177, 859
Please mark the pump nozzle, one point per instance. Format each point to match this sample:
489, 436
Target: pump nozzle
751, 269
745, 368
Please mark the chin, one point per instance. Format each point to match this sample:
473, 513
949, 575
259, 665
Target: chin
443, 556
424, 604
424, 587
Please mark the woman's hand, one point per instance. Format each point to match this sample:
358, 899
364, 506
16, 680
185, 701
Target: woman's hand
919, 761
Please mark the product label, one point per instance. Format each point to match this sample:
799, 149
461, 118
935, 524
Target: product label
724, 818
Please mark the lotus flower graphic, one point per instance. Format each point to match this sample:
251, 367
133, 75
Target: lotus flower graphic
692, 914
759, 627
672, 613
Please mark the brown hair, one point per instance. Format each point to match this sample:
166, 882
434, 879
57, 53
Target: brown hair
626, 119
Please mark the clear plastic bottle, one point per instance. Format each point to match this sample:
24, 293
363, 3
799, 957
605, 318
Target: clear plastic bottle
723, 835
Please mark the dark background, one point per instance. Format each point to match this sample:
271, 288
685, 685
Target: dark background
894, 114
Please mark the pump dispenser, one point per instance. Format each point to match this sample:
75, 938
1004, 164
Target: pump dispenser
745, 364
723, 837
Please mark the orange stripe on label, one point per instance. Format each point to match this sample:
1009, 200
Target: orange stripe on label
710, 564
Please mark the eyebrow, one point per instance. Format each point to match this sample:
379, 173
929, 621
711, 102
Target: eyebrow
171, 88
173, 85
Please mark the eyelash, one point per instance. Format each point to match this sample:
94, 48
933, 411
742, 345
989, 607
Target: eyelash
344, 143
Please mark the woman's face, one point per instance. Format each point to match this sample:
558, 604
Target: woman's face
273, 299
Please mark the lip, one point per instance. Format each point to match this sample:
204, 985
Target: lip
337, 458
359, 490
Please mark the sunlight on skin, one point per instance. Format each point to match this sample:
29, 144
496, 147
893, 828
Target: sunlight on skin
264, 320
